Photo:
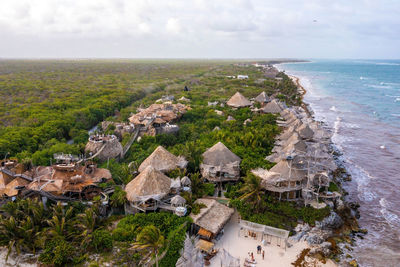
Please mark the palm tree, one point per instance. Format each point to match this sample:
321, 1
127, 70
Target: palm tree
252, 191
151, 240
60, 221
87, 223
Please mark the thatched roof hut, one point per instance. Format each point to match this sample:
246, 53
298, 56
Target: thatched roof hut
219, 154
149, 184
305, 131
162, 160
220, 164
272, 107
213, 217
178, 201
288, 171
106, 147
238, 101
262, 98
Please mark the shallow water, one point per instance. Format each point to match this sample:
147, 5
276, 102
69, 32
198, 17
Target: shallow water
360, 101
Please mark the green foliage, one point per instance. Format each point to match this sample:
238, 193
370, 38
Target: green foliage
197, 207
333, 187
209, 189
283, 215
102, 240
118, 198
58, 252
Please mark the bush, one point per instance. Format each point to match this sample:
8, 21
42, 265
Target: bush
57, 252
209, 189
197, 207
102, 240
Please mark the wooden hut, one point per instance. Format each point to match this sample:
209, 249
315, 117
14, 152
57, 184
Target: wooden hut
262, 98
147, 189
283, 181
238, 101
272, 107
164, 161
220, 164
212, 218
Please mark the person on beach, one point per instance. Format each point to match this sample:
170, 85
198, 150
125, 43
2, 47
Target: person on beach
258, 249
252, 256
263, 252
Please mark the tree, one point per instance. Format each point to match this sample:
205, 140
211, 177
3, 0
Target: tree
151, 240
252, 191
58, 224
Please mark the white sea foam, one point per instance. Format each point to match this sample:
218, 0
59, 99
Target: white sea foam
379, 86
387, 64
397, 99
333, 108
391, 218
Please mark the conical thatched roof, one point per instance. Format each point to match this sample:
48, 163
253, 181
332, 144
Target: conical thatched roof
150, 183
238, 101
219, 155
305, 131
262, 98
288, 172
272, 107
178, 200
162, 160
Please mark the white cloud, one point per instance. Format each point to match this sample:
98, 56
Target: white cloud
199, 28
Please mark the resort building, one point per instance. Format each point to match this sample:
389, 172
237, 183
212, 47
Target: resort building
64, 181
242, 77
238, 101
262, 98
211, 219
158, 118
164, 161
146, 191
272, 107
284, 181
220, 164
103, 147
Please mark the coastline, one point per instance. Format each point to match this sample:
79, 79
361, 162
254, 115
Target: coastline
344, 237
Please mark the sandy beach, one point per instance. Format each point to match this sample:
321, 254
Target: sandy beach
276, 256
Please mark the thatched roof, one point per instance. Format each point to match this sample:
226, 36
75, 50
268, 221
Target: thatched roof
262, 98
305, 131
150, 183
178, 200
238, 101
272, 107
219, 155
162, 160
163, 112
10, 189
288, 171
213, 217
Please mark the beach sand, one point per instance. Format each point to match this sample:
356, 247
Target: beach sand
239, 247
13, 260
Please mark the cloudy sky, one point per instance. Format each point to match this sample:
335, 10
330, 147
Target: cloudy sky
200, 28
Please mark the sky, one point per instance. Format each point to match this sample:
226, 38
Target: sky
200, 29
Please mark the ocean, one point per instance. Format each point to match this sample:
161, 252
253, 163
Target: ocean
360, 101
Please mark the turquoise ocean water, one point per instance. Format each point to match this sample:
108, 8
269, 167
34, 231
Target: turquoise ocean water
360, 101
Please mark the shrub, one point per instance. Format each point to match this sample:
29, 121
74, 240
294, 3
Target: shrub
102, 240
209, 189
57, 252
